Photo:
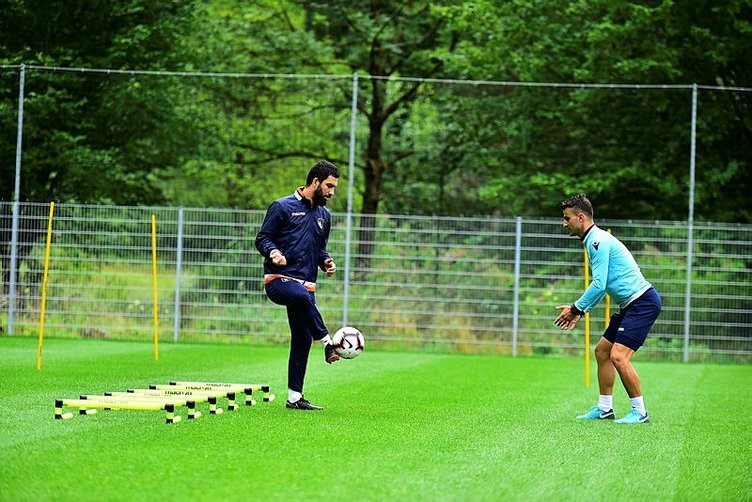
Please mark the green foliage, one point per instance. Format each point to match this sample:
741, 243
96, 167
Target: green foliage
95, 139
422, 147
627, 149
384, 39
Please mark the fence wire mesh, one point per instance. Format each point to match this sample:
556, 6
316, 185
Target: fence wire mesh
472, 285
475, 284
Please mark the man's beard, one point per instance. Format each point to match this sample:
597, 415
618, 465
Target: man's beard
319, 199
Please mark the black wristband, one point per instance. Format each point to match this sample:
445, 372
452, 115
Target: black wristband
575, 310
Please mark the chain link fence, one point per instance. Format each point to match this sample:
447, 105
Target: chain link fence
475, 285
470, 284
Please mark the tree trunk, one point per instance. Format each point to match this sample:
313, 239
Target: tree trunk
374, 173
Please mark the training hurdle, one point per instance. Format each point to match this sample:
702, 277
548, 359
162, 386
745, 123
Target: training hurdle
85, 405
199, 396
264, 388
115, 401
228, 392
249, 401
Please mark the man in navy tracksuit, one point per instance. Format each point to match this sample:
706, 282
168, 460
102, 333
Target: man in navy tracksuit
293, 241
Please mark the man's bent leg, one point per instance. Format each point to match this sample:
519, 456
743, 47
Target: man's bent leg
638, 319
295, 297
606, 377
621, 358
312, 314
300, 348
606, 373
621, 355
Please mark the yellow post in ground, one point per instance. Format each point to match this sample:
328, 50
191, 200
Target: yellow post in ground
587, 327
43, 307
154, 283
608, 303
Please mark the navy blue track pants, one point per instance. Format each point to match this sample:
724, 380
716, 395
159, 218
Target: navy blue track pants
306, 325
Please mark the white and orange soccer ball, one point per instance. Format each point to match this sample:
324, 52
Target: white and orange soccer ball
348, 342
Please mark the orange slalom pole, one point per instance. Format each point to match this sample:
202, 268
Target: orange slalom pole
43, 307
154, 283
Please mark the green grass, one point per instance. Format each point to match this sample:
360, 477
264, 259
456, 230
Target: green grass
397, 426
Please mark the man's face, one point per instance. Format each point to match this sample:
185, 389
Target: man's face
324, 191
574, 222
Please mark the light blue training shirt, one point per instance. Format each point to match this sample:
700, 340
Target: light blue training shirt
614, 270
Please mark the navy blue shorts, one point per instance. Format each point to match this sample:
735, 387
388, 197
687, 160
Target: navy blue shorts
630, 326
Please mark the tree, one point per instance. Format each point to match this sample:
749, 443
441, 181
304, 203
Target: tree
434, 148
628, 148
260, 131
88, 137
74, 124
383, 39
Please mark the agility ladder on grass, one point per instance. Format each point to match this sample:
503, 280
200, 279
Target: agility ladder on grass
165, 397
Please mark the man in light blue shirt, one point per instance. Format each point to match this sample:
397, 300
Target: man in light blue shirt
615, 273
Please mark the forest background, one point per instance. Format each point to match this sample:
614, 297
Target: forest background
492, 150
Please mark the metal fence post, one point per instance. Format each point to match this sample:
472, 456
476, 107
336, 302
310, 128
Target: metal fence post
16, 208
517, 259
690, 225
350, 183
178, 267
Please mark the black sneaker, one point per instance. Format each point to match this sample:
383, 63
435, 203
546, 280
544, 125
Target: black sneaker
302, 404
330, 355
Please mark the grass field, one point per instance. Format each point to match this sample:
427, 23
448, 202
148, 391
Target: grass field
397, 426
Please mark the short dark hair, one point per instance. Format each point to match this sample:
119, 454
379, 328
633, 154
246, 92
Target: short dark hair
580, 203
322, 170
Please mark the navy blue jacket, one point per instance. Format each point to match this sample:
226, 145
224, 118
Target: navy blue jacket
300, 232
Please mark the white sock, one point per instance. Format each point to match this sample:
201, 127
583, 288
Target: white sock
293, 396
327, 340
605, 403
638, 405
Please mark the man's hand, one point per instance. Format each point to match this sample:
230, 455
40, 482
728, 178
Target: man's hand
278, 258
566, 319
330, 267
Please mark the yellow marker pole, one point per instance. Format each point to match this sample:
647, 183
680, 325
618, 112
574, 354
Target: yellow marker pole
587, 327
608, 303
44, 286
154, 283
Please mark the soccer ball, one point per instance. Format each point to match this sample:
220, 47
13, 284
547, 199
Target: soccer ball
348, 342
